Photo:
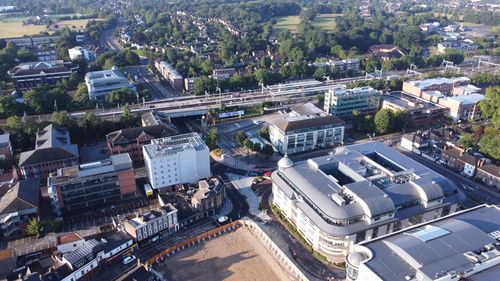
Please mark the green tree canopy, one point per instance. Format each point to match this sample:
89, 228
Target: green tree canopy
384, 121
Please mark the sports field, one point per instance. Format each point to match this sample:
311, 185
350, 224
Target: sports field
237, 255
324, 21
13, 27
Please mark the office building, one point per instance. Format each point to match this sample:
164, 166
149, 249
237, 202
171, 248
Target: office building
176, 160
149, 225
101, 83
209, 197
170, 74
308, 128
342, 65
422, 112
79, 52
343, 102
461, 246
6, 152
53, 150
131, 140
358, 193
18, 204
444, 85
93, 186
29, 75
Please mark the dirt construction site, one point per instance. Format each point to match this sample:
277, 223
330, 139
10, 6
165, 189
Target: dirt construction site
237, 255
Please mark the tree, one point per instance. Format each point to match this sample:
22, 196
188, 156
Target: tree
267, 150
490, 106
467, 141
82, 95
384, 121
34, 227
127, 119
240, 137
212, 138
490, 145
264, 132
122, 96
402, 120
204, 84
62, 119
264, 76
35, 101
257, 147
132, 58
8, 106
265, 62
248, 144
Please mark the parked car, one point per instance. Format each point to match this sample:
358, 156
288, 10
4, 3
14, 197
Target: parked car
129, 259
222, 219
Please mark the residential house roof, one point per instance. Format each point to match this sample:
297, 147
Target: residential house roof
45, 155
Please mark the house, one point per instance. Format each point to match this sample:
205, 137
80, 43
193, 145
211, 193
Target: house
131, 140
414, 140
8, 261
152, 224
490, 175
79, 52
385, 51
18, 205
210, 196
462, 161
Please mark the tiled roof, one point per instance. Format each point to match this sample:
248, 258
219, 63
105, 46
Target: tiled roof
23, 195
491, 169
127, 135
45, 155
461, 155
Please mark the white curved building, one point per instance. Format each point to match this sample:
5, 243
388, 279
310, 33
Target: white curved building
361, 192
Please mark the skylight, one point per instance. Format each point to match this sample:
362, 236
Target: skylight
428, 233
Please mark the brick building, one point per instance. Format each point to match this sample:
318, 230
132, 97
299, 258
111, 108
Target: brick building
152, 223
462, 161
209, 197
29, 75
490, 175
131, 140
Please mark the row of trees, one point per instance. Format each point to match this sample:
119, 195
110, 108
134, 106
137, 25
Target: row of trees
242, 139
383, 122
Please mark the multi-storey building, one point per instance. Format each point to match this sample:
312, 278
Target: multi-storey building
79, 52
422, 112
306, 130
93, 186
209, 196
176, 160
342, 65
53, 150
358, 193
6, 151
189, 84
443, 85
461, 246
29, 75
343, 102
131, 140
101, 83
169, 73
19, 204
149, 225
463, 107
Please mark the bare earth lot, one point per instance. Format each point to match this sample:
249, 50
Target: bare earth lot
237, 255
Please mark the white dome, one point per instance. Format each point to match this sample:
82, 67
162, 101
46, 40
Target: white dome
285, 162
356, 258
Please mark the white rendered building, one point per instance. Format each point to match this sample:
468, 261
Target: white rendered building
176, 160
81, 52
358, 193
101, 83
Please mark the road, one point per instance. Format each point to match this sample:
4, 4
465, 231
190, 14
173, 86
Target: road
158, 90
107, 39
476, 193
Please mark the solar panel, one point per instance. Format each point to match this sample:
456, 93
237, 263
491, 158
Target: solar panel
429, 233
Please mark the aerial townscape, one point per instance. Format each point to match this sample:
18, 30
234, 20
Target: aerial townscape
259, 140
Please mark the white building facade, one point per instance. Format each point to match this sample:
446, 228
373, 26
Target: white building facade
362, 192
101, 83
176, 160
79, 52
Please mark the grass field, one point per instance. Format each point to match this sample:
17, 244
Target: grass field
324, 21
17, 29
76, 23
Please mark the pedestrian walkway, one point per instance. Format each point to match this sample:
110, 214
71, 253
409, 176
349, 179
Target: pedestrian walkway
243, 185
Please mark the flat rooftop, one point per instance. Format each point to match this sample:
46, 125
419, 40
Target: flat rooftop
409, 102
174, 144
436, 81
460, 242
